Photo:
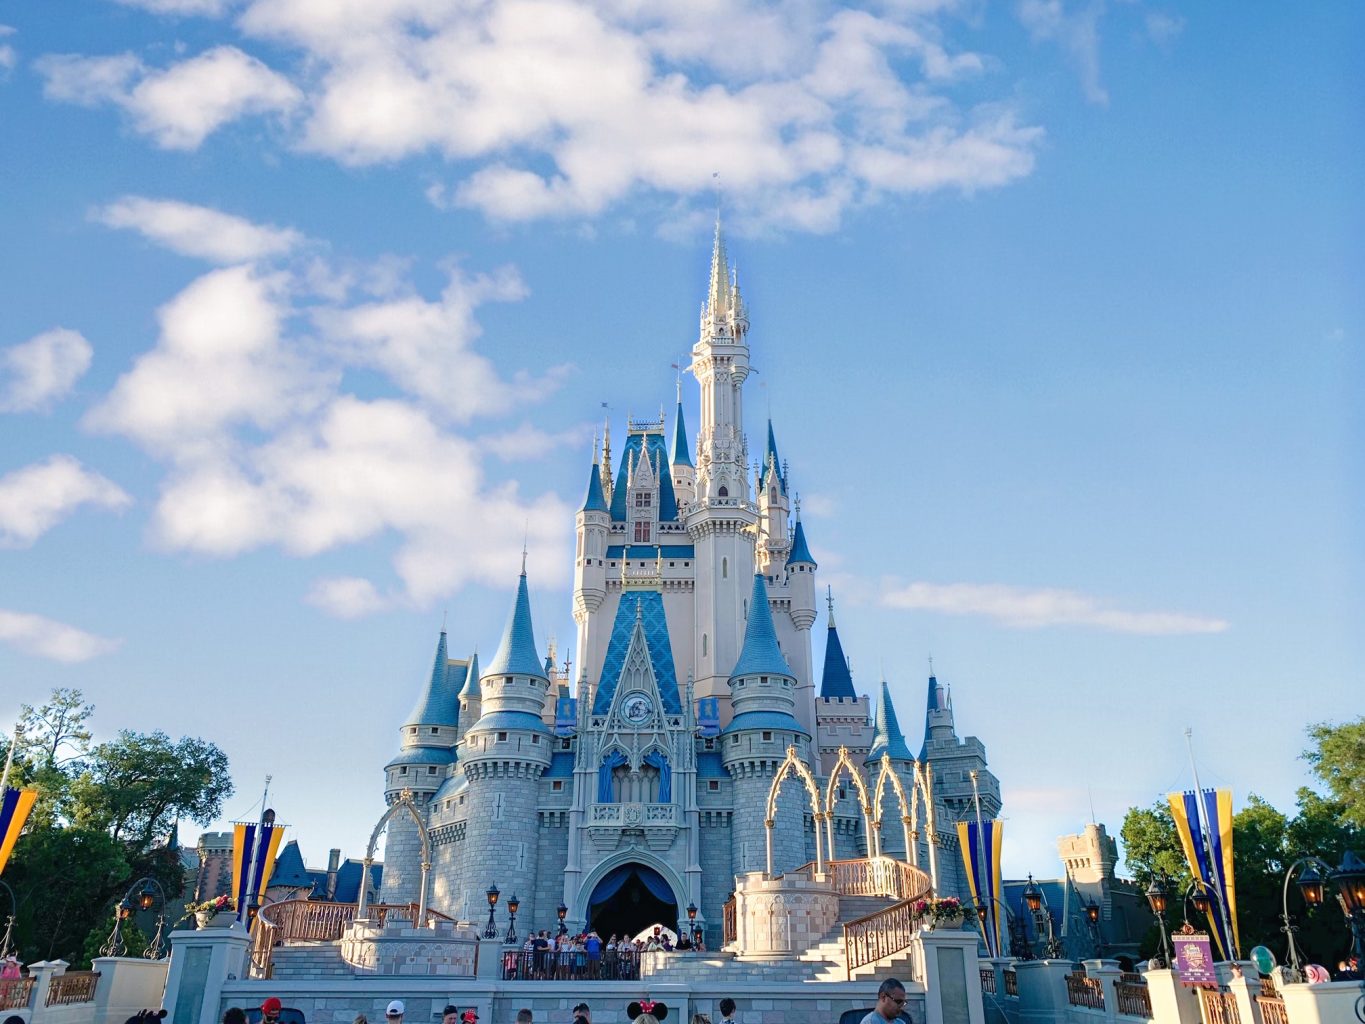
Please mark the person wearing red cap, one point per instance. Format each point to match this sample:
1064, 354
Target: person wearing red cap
270, 1010
469, 1016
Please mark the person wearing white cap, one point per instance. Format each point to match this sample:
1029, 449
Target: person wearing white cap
394, 1014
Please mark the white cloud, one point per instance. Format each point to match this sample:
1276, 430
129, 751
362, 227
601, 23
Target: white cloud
1023, 608
198, 231
204, 8
180, 106
1163, 28
346, 597
220, 362
357, 470
529, 442
36, 498
554, 108
8, 56
46, 638
37, 372
1076, 31
818, 505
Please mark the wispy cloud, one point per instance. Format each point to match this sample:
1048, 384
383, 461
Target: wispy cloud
198, 231
8, 57
47, 638
36, 498
346, 597
1076, 29
179, 106
529, 442
37, 372
1023, 608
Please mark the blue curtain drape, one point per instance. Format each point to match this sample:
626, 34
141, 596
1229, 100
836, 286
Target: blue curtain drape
616, 878
657, 760
654, 882
609, 764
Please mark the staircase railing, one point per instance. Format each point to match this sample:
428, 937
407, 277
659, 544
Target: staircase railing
315, 921
885, 933
872, 876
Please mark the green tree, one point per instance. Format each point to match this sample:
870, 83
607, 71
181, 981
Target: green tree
64, 880
57, 732
1151, 846
1338, 759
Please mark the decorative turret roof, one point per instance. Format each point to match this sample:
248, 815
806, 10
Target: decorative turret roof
887, 738
761, 654
289, 870
681, 454
932, 704
517, 652
799, 552
438, 703
595, 500
471, 680
650, 443
772, 463
836, 680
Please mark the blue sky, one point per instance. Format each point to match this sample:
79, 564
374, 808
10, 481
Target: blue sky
310, 309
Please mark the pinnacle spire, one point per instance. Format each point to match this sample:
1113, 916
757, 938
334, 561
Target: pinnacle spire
595, 500
761, 654
887, 738
836, 680
718, 295
471, 689
517, 652
437, 704
681, 455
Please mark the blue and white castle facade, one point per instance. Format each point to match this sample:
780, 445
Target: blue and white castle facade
693, 579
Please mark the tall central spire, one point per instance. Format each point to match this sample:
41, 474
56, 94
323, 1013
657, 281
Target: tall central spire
718, 297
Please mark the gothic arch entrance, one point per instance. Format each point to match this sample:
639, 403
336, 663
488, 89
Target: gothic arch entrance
629, 899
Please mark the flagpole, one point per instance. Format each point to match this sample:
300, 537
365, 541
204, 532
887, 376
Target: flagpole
9, 758
253, 876
1202, 816
985, 898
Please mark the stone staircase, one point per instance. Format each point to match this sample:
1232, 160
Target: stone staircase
309, 960
828, 954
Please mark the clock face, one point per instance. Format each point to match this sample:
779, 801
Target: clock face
636, 708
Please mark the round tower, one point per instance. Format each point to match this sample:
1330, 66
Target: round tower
423, 763
684, 474
754, 744
800, 575
503, 754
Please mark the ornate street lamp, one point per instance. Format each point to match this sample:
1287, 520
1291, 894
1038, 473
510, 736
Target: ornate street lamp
1311, 886
563, 912
1201, 899
140, 896
1036, 901
692, 912
7, 942
1092, 917
1033, 896
512, 905
1349, 878
491, 932
1157, 897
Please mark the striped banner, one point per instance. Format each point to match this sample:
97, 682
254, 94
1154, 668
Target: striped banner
243, 838
983, 876
14, 808
1210, 858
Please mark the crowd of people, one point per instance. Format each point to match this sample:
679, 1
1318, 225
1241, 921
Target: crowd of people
586, 957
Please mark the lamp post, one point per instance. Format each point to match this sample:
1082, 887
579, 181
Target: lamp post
1019, 948
1312, 888
1349, 878
562, 911
7, 941
1036, 901
512, 905
1092, 918
138, 897
491, 932
1158, 893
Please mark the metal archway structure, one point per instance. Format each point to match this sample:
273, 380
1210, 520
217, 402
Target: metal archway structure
404, 801
865, 803
922, 787
791, 764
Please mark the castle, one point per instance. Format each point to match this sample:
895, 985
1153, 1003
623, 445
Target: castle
642, 789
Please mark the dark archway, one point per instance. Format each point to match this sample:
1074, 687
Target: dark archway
629, 899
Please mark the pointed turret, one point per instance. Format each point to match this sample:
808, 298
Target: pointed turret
800, 552
595, 500
438, 704
938, 718
836, 681
684, 474
760, 654
516, 654
772, 463
888, 739
718, 295
682, 455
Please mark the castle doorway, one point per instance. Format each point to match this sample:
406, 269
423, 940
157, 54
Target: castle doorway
629, 899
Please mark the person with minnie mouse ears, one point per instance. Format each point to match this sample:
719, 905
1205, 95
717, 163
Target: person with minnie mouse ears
646, 1011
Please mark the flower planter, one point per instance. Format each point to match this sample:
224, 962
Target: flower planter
953, 923
222, 919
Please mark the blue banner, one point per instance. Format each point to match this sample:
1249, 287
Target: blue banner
981, 857
566, 716
708, 717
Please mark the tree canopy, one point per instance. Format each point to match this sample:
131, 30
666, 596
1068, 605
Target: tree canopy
1338, 759
101, 821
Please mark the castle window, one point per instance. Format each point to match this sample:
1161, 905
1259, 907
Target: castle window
566, 744
709, 744
557, 785
403, 770
713, 786
431, 769
462, 800
724, 564
412, 731
535, 739
763, 680
724, 492
435, 730
703, 645
502, 736
767, 737
642, 499
642, 531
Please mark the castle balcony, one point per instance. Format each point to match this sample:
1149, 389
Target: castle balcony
608, 824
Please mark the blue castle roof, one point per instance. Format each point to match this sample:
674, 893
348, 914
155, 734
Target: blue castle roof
800, 552
471, 679
931, 704
836, 680
506, 720
711, 766
657, 450
517, 652
761, 654
655, 625
887, 738
595, 501
423, 755
681, 454
561, 765
764, 720
439, 703
776, 460
289, 868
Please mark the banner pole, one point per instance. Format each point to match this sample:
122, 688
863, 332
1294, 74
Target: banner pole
981, 867
1206, 827
9, 758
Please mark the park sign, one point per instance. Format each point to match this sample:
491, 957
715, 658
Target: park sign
1194, 959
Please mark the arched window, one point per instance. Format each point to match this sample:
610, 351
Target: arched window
772, 495
724, 492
